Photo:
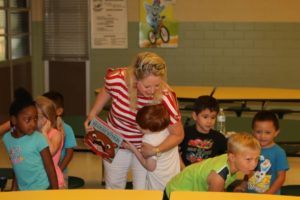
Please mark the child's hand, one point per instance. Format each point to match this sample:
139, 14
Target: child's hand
128, 145
241, 188
46, 127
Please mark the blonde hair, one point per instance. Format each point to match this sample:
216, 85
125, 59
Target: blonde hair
48, 109
239, 142
144, 65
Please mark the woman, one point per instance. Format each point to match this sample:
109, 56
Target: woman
130, 89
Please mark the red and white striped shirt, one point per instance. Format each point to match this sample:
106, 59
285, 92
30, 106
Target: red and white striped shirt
121, 117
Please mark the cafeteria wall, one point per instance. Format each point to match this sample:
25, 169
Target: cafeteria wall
221, 43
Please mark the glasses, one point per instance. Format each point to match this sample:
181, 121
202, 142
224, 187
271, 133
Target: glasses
149, 67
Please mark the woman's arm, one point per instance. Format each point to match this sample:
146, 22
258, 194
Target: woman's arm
49, 167
102, 98
277, 183
175, 137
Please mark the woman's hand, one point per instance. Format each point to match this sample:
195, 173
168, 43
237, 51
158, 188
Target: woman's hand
147, 150
86, 124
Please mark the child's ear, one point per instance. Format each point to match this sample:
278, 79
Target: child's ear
59, 111
194, 115
13, 120
277, 132
231, 156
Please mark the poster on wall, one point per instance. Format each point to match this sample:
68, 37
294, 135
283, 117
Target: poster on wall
158, 29
109, 26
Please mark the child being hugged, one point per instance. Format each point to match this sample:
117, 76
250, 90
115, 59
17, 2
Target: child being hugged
153, 121
200, 140
269, 175
28, 150
51, 127
217, 173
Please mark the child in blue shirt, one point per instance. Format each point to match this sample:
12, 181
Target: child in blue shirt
270, 173
28, 149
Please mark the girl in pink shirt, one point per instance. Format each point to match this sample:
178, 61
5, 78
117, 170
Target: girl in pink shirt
52, 128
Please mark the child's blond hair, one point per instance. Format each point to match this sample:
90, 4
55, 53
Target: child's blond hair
48, 109
239, 142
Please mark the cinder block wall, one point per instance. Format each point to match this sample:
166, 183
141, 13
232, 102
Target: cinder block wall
260, 54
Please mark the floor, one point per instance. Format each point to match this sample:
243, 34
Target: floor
89, 167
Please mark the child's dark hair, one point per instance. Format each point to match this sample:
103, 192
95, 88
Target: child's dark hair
206, 102
153, 117
56, 97
266, 115
22, 99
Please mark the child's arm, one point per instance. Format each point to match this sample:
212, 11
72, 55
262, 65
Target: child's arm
54, 143
49, 167
149, 163
66, 160
182, 165
215, 182
4, 128
277, 183
14, 186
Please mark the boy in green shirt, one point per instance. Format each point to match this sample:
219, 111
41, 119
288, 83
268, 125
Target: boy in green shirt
216, 174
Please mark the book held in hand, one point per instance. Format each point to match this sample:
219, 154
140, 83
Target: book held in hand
103, 140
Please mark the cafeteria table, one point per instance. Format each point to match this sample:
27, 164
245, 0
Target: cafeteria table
190, 93
80, 194
179, 195
186, 93
257, 94
263, 95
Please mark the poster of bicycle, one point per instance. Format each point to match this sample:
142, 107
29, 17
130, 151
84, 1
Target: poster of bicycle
158, 29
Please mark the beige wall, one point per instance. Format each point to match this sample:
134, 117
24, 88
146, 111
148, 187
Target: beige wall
37, 10
216, 10
229, 10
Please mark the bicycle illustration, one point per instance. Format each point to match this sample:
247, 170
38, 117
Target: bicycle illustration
162, 32
155, 21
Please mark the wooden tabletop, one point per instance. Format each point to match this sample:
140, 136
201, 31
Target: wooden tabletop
190, 93
186, 92
259, 94
82, 194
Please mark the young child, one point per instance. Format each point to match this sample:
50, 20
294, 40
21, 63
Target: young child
153, 121
69, 139
215, 174
200, 140
52, 127
269, 175
28, 150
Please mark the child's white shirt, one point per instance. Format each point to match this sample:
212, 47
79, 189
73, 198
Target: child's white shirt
167, 165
